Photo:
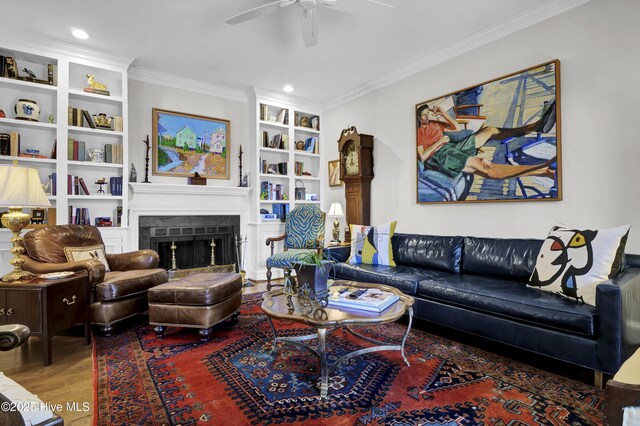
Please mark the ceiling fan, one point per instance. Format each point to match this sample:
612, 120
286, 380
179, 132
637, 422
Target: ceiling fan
309, 21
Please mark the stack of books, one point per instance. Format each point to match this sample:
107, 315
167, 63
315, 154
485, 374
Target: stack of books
370, 299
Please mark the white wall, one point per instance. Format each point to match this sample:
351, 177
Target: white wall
600, 89
143, 97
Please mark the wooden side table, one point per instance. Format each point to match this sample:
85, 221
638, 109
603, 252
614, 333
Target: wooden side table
47, 307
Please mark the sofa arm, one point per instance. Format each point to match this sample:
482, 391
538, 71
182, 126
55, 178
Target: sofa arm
94, 268
338, 254
13, 335
140, 259
629, 283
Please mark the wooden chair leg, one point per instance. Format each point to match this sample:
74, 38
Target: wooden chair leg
268, 278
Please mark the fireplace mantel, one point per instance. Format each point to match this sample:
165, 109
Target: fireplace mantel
164, 199
176, 189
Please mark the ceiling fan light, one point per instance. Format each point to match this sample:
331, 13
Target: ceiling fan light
288, 88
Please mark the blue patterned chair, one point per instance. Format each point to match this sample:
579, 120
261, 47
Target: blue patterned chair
303, 233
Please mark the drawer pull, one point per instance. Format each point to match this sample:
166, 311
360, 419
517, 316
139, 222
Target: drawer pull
73, 300
9, 312
1, 311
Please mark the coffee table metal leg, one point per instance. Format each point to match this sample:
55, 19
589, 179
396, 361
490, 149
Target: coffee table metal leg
322, 354
406, 334
275, 334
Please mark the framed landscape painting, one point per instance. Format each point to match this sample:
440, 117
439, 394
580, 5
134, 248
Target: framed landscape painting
494, 141
184, 144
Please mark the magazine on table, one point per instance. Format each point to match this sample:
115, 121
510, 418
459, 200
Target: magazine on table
369, 299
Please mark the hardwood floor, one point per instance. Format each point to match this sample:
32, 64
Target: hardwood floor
69, 378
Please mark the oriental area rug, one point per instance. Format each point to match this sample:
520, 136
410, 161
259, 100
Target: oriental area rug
237, 379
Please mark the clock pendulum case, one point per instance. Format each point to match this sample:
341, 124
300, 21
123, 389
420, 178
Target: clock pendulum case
356, 171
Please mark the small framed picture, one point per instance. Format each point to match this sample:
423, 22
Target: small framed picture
334, 173
38, 216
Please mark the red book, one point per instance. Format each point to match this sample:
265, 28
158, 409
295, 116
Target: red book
84, 186
69, 185
75, 150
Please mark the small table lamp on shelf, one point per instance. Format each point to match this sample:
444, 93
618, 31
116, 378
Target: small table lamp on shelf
336, 211
19, 187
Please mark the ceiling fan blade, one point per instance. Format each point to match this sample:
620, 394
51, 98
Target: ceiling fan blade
310, 28
381, 3
329, 3
265, 9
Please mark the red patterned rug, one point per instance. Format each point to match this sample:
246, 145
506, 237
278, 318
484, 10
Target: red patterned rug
236, 379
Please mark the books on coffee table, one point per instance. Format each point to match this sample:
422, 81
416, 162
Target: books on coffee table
370, 299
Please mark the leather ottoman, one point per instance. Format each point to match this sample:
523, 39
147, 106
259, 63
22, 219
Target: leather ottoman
197, 301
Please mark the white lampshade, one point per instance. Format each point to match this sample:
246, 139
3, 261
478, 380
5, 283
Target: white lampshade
21, 187
336, 209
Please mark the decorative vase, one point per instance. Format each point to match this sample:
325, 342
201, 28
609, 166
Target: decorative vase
315, 277
26, 109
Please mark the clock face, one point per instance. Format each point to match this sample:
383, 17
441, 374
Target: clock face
351, 167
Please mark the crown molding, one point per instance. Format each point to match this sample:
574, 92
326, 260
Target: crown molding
288, 100
169, 80
435, 57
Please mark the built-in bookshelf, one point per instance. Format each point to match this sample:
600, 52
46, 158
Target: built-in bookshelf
288, 154
78, 141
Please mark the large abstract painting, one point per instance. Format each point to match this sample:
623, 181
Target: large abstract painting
184, 144
495, 141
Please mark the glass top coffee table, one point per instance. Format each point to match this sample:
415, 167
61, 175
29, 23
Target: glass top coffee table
327, 319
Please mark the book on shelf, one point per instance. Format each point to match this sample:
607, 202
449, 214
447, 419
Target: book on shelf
283, 116
52, 74
88, 119
82, 152
75, 117
14, 143
119, 216
108, 153
53, 149
53, 184
84, 187
115, 185
265, 139
370, 299
28, 155
96, 91
5, 144
264, 112
118, 124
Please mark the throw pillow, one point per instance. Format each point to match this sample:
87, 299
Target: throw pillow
372, 244
96, 252
572, 262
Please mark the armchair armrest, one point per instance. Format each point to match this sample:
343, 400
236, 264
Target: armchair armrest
140, 259
94, 268
271, 240
13, 335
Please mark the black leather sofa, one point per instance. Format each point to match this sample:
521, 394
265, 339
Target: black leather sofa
479, 285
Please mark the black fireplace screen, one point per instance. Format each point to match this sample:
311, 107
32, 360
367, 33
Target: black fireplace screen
192, 236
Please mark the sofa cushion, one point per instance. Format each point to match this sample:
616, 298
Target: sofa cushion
372, 244
573, 261
511, 299
404, 278
502, 258
428, 251
118, 284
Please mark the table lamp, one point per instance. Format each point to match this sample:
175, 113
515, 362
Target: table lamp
19, 187
336, 211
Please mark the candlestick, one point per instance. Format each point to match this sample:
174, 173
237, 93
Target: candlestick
240, 167
146, 161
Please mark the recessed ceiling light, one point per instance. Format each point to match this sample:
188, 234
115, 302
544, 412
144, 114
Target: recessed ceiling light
79, 34
288, 88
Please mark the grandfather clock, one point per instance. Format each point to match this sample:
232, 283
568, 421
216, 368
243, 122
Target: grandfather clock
356, 171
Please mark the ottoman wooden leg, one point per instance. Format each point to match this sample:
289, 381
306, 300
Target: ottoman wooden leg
205, 333
159, 329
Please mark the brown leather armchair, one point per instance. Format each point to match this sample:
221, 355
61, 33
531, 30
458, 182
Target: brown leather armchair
116, 294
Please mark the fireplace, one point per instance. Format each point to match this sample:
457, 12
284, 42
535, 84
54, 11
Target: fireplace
193, 237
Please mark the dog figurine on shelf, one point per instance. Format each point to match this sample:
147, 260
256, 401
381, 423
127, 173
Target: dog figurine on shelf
94, 84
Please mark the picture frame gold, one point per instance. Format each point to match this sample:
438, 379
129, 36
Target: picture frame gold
184, 144
334, 173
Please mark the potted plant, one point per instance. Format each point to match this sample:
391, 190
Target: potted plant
313, 270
